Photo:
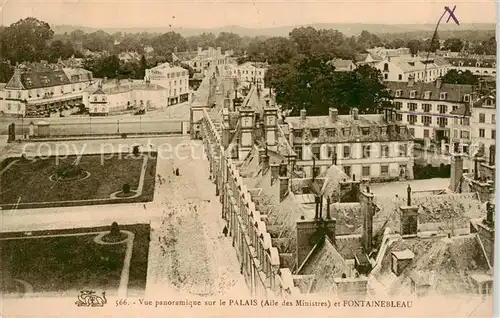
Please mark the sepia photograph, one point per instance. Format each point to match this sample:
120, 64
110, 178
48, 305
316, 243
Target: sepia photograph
248, 158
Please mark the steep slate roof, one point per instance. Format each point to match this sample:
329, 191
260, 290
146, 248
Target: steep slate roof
417, 64
35, 79
340, 64
325, 263
444, 264
471, 62
455, 92
378, 129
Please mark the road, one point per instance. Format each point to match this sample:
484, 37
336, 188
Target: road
188, 253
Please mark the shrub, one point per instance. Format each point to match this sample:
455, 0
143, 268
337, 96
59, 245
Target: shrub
135, 150
115, 230
68, 171
126, 188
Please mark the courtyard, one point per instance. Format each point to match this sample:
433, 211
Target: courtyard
67, 261
98, 179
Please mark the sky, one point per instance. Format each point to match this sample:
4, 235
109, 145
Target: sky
253, 14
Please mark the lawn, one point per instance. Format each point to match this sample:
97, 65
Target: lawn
31, 182
64, 263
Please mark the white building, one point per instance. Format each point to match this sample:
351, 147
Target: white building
365, 146
174, 79
383, 52
479, 66
427, 108
118, 96
343, 65
38, 89
201, 60
404, 68
246, 73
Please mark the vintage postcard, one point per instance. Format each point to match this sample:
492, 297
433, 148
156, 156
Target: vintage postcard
247, 158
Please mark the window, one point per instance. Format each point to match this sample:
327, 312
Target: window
412, 107
8, 106
9, 94
386, 67
493, 119
298, 133
443, 109
482, 118
412, 94
454, 107
316, 171
330, 132
398, 93
399, 117
426, 120
442, 121
366, 151
347, 170
427, 95
95, 98
316, 152
403, 150
365, 171
466, 97
346, 132
18, 94
426, 133
398, 105
443, 95
412, 119
400, 77
365, 131
385, 76
384, 151
464, 134
411, 131
315, 133
481, 133
298, 151
347, 151
384, 170
493, 134
465, 121
427, 108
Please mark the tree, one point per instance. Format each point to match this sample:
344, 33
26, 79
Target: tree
143, 67
453, 44
229, 41
416, 46
6, 71
203, 40
114, 230
459, 77
25, 40
368, 40
434, 46
126, 188
167, 43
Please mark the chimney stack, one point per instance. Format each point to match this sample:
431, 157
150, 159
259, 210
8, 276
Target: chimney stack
409, 217
367, 208
263, 158
334, 114
275, 172
303, 114
439, 83
284, 183
199, 50
457, 170
477, 164
491, 161
355, 113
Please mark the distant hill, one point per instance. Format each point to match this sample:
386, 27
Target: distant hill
347, 29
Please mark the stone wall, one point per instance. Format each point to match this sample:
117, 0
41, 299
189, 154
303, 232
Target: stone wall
259, 259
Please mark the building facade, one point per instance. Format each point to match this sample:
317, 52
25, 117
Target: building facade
246, 73
174, 79
478, 66
405, 68
427, 108
365, 146
201, 60
39, 89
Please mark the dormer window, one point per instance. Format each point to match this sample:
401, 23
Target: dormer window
398, 93
427, 95
478, 64
443, 95
413, 94
315, 133
365, 131
346, 132
297, 133
460, 63
331, 132
466, 98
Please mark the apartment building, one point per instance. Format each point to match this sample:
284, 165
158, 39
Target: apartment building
201, 60
477, 65
406, 67
118, 96
246, 73
428, 108
37, 89
365, 146
174, 79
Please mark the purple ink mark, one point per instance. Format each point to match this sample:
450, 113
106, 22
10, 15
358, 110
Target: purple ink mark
452, 14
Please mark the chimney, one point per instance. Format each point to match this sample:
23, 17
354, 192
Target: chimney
275, 169
284, 183
409, 216
355, 113
303, 114
367, 208
457, 170
477, 166
263, 159
317, 214
334, 114
490, 214
439, 83
328, 216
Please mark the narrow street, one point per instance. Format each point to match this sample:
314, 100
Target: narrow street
188, 252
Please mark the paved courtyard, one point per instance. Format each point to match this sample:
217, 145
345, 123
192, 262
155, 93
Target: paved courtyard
188, 253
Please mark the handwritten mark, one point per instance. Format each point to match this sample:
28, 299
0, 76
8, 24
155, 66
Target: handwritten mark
452, 14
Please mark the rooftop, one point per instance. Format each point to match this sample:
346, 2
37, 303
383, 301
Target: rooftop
454, 92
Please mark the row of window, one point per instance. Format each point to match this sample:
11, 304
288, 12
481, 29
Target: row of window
10, 106
402, 150
482, 118
338, 132
482, 133
41, 93
426, 108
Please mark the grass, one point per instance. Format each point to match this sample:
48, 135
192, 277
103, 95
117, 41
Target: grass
59, 264
30, 181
